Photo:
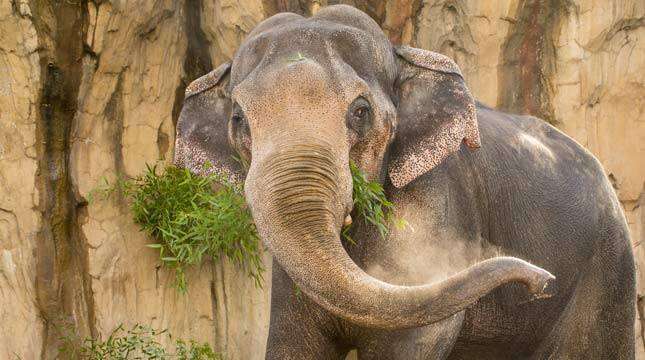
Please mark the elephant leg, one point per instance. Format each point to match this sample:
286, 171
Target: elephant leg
428, 342
299, 328
598, 322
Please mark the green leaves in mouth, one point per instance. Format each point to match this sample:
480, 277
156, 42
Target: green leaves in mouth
371, 204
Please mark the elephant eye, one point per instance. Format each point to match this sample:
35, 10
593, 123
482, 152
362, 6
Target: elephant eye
239, 127
361, 112
359, 116
237, 118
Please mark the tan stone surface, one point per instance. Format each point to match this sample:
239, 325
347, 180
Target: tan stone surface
123, 66
19, 217
226, 22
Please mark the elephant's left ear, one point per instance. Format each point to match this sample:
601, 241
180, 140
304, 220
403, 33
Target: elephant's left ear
436, 113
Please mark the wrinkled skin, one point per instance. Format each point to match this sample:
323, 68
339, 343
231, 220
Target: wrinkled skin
496, 203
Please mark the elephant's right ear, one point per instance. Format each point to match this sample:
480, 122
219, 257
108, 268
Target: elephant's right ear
202, 129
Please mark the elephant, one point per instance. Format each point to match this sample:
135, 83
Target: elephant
516, 245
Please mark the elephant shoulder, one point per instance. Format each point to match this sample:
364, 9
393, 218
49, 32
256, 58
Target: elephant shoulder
537, 148
540, 182
542, 173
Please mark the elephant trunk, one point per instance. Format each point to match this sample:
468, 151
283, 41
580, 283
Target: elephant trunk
297, 201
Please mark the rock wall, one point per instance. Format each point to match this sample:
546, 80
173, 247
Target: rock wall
92, 89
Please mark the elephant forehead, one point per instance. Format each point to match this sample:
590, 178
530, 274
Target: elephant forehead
298, 78
302, 88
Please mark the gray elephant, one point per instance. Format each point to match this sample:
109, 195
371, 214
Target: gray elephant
486, 195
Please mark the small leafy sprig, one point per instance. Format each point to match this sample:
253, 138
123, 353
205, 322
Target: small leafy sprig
138, 342
371, 204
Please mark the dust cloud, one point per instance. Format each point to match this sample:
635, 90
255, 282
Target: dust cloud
425, 251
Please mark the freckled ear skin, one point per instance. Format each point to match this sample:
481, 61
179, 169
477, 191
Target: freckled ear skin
436, 113
202, 129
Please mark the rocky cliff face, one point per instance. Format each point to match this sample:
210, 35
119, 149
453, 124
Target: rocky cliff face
92, 89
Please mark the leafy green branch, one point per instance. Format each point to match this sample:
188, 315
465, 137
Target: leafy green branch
192, 216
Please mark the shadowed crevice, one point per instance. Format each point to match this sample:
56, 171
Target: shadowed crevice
528, 63
114, 115
63, 290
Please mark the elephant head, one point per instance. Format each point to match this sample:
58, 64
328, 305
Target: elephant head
301, 98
